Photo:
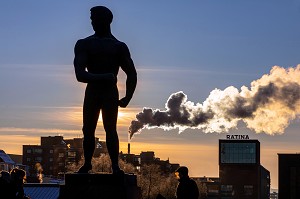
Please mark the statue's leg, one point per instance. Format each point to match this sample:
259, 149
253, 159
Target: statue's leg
109, 117
91, 110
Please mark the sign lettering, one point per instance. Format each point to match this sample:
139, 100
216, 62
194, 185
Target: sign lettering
237, 137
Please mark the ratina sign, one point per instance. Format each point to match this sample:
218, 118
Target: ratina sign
237, 137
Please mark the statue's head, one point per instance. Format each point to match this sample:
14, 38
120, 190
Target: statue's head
101, 16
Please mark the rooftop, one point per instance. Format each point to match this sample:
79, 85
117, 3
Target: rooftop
41, 191
5, 158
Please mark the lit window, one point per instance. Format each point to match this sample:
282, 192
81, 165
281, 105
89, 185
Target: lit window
71, 154
138, 168
137, 159
61, 155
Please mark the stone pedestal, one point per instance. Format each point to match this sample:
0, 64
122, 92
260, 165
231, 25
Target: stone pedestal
100, 186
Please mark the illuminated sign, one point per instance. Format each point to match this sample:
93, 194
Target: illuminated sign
237, 137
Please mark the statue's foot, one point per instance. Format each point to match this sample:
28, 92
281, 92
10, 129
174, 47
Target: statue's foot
85, 168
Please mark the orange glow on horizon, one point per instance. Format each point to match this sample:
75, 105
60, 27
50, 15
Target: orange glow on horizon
125, 116
201, 159
13, 144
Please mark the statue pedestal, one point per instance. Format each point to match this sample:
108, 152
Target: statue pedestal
99, 186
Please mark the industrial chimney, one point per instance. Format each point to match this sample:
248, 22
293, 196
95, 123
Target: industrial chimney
128, 148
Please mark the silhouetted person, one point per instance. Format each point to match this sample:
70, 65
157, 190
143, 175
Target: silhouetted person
187, 188
17, 177
97, 62
6, 190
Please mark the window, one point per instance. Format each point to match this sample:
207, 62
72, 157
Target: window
28, 159
61, 164
238, 153
50, 159
138, 168
61, 155
51, 151
39, 151
213, 189
226, 190
28, 151
137, 159
71, 154
98, 146
248, 190
226, 187
38, 159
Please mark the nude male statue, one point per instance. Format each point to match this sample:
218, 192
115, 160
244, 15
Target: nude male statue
97, 62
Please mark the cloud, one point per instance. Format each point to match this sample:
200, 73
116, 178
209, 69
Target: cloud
267, 106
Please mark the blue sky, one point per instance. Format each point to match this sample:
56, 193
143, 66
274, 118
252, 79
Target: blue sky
192, 46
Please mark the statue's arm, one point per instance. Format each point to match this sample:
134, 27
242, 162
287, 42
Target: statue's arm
80, 63
128, 67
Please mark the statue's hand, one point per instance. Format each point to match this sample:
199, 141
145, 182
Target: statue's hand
124, 102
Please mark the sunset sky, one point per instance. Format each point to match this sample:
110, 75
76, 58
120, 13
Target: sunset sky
192, 46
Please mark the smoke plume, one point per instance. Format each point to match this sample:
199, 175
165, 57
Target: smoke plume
267, 106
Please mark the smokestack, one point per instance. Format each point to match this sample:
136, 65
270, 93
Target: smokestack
128, 148
268, 106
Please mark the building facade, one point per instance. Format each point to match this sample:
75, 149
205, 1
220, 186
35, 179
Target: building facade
55, 153
147, 158
210, 187
48, 158
289, 176
241, 174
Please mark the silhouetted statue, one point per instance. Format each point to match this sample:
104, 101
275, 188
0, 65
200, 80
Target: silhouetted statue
187, 188
97, 62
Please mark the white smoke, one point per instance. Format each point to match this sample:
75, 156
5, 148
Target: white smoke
267, 106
